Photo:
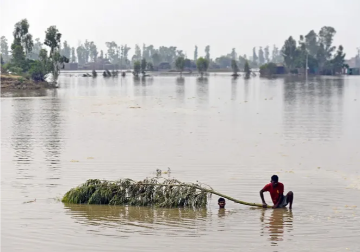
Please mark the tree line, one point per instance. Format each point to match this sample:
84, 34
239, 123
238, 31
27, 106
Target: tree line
316, 50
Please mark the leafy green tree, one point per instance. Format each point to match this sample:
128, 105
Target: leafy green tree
180, 64
22, 36
4, 49
247, 70
18, 55
196, 53
202, 65
311, 42
268, 69
234, 67
255, 57
326, 37
338, 61
52, 40
156, 59
289, 53
261, 56
143, 66
41, 67
207, 53
137, 68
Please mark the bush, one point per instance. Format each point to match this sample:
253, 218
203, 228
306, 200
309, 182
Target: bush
268, 69
37, 72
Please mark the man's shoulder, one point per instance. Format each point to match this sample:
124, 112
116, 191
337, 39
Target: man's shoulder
281, 184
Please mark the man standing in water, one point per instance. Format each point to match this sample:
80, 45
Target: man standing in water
276, 190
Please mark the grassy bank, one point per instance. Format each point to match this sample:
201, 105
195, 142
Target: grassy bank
14, 82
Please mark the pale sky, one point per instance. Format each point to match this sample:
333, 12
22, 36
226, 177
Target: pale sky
223, 24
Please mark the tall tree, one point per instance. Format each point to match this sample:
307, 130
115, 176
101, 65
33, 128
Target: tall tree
247, 70
196, 53
311, 42
233, 54
137, 53
66, 50
73, 56
4, 49
289, 52
326, 37
93, 51
112, 52
202, 65
242, 61
81, 53
34, 55
22, 36
267, 54
255, 57
52, 40
234, 67
261, 56
180, 64
207, 53
87, 51
339, 60
143, 66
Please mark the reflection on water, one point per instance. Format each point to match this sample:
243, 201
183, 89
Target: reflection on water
134, 219
275, 225
22, 143
313, 109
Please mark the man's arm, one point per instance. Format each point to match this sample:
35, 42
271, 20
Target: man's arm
262, 198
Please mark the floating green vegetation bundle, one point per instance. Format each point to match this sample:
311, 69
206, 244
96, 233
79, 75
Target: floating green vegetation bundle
149, 192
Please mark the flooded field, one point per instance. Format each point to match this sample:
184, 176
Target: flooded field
230, 134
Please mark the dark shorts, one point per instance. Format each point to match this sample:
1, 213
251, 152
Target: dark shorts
283, 202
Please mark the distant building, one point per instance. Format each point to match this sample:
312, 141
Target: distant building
280, 69
164, 66
353, 71
71, 66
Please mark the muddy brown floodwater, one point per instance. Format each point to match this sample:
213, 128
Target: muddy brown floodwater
230, 134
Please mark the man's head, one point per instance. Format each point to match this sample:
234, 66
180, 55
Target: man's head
221, 202
274, 180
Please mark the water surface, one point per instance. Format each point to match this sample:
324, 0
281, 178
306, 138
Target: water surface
230, 134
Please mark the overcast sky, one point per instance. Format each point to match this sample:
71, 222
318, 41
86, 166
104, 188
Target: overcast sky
222, 24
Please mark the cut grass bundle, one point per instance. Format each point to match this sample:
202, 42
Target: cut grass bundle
149, 192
